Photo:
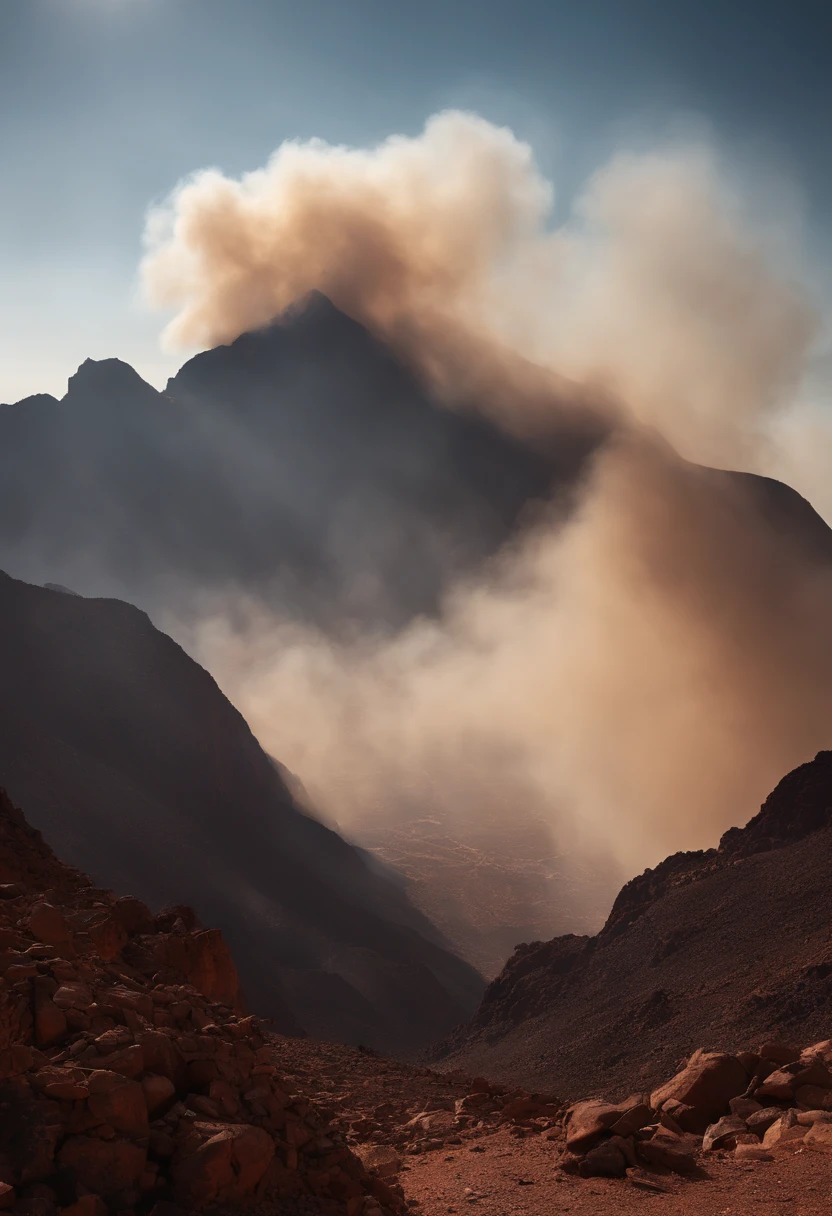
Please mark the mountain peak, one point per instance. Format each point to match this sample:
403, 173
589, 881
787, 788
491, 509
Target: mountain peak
97, 375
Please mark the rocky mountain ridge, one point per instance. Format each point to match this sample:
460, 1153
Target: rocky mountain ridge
687, 944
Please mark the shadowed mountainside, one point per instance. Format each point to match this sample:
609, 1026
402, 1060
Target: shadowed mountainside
302, 464
131, 760
718, 945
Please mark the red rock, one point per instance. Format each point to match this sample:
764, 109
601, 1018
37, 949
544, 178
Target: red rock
47, 924
158, 1092
819, 1136
676, 1153
228, 1166
760, 1121
103, 1166
117, 1100
782, 1130
135, 916
778, 1051
813, 1097
752, 1152
605, 1160
7, 1195
723, 1134
109, 938
50, 1023
15, 1060
586, 1123
707, 1084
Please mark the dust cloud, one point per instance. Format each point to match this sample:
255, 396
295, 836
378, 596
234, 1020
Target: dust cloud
637, 674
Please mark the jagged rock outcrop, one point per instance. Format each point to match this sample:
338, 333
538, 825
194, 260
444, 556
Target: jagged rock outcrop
130, 1074
688, 946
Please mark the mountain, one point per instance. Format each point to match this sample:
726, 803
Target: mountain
305, 468
709, 948
302, 464
129, 758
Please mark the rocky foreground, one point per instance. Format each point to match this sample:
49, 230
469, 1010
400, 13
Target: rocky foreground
130, 1075
134, 1083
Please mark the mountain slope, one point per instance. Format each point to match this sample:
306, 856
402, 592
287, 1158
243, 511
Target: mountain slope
709, 948
129, 758
302, 464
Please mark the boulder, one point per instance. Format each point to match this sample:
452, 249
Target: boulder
784, 1130
586, 1123
118, 1101
707, 1084
676, 1153
813, 1097
605, 1160
778, 1052
47, 924
50, 1022
819, 1136
158, 1092
723, 1134
760, 1121
227, 1166
752, 1152
105, 1167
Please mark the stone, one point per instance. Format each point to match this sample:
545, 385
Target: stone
382, 1158
752, 1152
778, 1052
158, 1092
807, 1117
723, 1134
109, 938
634, 1118
227, 1166
47, 924
819, 1135
676, 1153
707, 1084
744, 1107
813, 1097
786, 1128
605, 1160
73, 995
586, 1123
117, 1100
760, 1121
7, 1195
103, 1166
50, 1022
134, 915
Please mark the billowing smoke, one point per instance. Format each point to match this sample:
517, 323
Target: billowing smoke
640, 674
655, 292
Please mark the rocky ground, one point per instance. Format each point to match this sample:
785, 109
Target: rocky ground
134, 1083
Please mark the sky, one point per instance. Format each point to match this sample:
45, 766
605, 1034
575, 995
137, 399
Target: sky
106, 104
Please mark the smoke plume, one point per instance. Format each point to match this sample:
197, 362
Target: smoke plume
641, 673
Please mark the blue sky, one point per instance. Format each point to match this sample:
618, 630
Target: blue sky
106, 103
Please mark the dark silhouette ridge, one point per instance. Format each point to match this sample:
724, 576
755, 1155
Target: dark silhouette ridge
128, 757
303, 464
712, 947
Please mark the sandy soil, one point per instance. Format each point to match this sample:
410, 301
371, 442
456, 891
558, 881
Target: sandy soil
512, 1177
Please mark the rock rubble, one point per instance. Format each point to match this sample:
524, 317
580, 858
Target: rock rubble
132, 1079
